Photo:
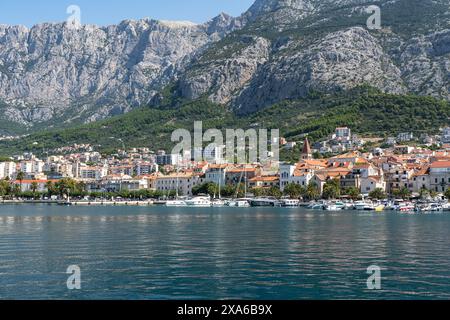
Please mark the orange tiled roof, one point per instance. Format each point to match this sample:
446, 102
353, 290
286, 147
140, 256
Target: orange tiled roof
440, 164
265, 179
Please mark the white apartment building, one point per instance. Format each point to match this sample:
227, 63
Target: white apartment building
93, 173
343, 134
289, 174
183, 181
7, 169
371, 183
142, 168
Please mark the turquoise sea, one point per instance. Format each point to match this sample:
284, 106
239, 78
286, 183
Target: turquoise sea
221, 253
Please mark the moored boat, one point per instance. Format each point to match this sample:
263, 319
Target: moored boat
264, 202
175, 203
334, 206
199, 202
316, 205
290, 203
218, 203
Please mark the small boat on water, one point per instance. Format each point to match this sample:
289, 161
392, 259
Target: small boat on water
316, 205
406, 207
349, 205
290, 203
264, 202
364, 206
199, 202
429, 207
175, 203
239, 203
218, 203
334, 206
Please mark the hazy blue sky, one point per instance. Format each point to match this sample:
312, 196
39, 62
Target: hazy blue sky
104, 12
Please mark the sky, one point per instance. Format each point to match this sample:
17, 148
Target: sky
106, 12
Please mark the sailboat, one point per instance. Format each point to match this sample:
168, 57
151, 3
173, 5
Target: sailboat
218, 202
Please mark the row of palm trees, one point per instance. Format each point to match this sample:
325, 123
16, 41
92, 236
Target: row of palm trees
62, 187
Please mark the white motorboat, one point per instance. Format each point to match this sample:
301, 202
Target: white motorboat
431, 207
199, 202
290, 203
334, 206
316, 205
406, 207
218, 203
264, 202
349, 205
360, 205
175, 203
242, 204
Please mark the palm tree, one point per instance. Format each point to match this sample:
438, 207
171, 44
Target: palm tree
50, 187
20, 176
312, 191
34, 187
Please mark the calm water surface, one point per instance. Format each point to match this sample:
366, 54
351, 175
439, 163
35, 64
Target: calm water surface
221, 253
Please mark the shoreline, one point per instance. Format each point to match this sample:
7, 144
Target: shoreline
80, 203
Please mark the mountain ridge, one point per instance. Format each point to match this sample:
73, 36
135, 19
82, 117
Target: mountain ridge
278, 50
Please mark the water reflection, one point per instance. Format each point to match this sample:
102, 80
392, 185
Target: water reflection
156, 253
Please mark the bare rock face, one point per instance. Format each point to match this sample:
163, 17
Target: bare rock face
222, 79
52, 70
425, 64
340, 61
315, 46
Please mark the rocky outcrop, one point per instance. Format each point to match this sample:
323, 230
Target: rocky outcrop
340, 61
223, 78
425, 64
314, 46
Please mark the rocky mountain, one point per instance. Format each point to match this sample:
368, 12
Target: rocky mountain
277, 50
52, 72
290, 48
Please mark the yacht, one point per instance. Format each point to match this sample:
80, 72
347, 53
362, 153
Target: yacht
175, 203
290, 203
349, 205
430, 207
406, 207
218, 203
316, 205
199, 202
334, 206
264, 202
369, 206
242, 203
360, 205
